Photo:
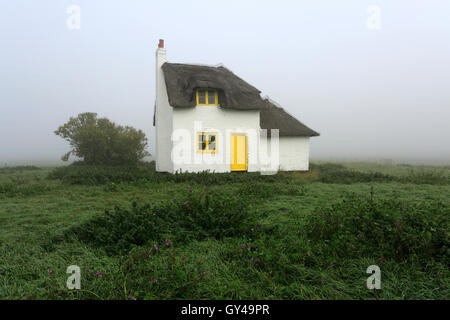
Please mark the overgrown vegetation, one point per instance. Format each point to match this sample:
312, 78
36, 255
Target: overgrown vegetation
337, 173
198, 216
138, 234
326, 173
18, 169
386, 228
97, 175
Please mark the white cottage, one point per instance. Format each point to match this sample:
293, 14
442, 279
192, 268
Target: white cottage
207, 118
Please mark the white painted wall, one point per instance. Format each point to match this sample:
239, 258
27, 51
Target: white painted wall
163, 118
294, 153
224, 122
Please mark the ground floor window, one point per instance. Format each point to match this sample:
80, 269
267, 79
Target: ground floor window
206, 142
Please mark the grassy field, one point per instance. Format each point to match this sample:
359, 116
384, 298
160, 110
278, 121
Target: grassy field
137, 234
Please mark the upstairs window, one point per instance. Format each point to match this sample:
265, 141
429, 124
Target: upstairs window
206, 142
207, 97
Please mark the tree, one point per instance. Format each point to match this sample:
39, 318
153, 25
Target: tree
99, 141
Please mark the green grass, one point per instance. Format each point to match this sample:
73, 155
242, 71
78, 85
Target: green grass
294, 242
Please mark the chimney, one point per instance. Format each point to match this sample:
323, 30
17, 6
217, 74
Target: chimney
160, 54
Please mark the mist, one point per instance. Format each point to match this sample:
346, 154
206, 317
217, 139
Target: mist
374, 94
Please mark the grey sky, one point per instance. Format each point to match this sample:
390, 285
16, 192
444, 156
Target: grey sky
370, 93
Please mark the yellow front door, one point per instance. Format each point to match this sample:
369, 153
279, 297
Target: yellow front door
238, 152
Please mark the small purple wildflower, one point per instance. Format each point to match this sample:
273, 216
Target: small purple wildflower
353, 246
50, 271
98, 274
167, 242
252, 259
396, 224
129, 296
243, 246
156, 247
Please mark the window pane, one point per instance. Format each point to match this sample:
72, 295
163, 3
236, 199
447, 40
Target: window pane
201, 96
212, 142
202, 142
211, 97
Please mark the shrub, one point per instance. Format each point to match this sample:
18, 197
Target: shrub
383, 228
97, 175
216, 214
336, 173
80, 173
198, 216
101, 142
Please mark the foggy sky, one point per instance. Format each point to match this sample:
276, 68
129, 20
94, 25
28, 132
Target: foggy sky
370, 93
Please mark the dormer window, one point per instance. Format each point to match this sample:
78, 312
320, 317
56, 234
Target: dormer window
207, 97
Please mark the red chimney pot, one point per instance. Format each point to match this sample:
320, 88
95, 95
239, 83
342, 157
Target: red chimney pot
161, 43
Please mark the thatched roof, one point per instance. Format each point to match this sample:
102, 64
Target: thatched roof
273, 117
183, 79
234, 93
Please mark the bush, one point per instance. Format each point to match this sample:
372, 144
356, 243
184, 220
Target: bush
80, 173
101, 142
336, 173
382, 228
198, 216
97, 175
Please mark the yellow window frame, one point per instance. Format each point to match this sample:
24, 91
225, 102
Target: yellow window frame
208, 103
207, 141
